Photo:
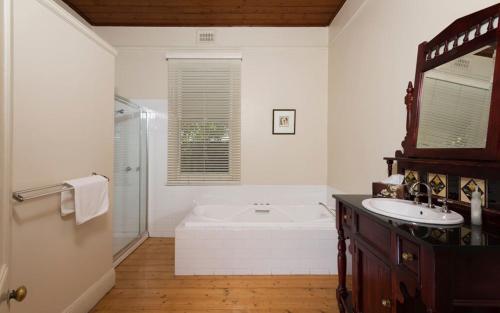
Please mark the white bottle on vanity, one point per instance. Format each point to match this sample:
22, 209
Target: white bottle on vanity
475, 208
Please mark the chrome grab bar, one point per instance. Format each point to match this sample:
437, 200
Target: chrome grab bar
23, 195
258, 211
327, 208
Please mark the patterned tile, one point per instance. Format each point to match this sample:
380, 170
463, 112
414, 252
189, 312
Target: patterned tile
411, 177
438, 183
468, 185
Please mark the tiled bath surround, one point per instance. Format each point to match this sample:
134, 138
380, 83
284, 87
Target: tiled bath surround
256, 251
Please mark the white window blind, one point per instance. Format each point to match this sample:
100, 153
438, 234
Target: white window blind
203, 121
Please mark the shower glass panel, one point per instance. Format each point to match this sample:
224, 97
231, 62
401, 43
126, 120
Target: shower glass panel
130, 175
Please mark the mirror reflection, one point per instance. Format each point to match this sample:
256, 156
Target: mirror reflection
455, 102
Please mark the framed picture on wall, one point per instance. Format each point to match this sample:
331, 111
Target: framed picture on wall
284, 122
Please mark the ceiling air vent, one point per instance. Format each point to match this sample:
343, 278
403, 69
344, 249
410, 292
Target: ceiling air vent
205, 36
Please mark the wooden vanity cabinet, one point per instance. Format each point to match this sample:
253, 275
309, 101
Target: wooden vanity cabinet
393, 271
376, 263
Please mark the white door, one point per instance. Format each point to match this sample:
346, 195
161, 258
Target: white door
4, 187
5, 142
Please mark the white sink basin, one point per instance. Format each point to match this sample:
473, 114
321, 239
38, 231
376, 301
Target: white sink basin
408, 211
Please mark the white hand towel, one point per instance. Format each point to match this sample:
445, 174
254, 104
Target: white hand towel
87, 200
396, 179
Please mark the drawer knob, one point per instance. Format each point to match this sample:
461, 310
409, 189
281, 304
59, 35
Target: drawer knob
345, 217
386, 303
407, 256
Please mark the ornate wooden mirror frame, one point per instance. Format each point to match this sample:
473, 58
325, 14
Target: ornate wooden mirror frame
463, 36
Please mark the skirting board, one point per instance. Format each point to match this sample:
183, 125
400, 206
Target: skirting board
91, 296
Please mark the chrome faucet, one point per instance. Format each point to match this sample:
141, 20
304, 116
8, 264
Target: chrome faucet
418, 194
444, 207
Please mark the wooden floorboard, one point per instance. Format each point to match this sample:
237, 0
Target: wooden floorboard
145, 283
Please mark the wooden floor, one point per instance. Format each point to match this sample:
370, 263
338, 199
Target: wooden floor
145, 282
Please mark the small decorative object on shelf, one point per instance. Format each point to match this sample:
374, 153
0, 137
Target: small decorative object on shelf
391, 187
383, 190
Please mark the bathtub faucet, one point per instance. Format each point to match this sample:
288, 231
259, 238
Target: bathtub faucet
327, 208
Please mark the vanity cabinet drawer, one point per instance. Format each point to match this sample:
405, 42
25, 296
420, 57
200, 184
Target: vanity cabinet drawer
374, 234
408, 255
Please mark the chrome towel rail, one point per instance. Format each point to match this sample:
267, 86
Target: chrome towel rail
32, 193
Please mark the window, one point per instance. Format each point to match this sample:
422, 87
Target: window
203, 121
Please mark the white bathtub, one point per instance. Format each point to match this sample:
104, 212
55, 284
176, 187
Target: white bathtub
260, 216
256, 240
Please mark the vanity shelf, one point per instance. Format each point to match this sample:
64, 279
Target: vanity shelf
485, 169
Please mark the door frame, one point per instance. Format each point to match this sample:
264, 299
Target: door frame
6, 147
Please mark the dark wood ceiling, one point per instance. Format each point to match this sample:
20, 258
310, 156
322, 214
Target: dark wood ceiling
207, 13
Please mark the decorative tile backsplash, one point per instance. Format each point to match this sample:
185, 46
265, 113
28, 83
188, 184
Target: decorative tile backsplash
438, 183
457, 188
468, 186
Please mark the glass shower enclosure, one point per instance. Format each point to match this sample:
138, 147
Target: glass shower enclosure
130, 175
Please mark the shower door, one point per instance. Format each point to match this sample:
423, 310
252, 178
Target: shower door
129, 211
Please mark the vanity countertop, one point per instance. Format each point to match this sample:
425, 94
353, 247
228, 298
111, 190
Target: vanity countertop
458, 236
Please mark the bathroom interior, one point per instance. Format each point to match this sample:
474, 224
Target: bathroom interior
273, 156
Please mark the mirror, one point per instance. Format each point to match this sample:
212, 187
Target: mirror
455, 102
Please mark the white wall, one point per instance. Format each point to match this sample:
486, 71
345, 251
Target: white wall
62, 129
372, 56
281, 68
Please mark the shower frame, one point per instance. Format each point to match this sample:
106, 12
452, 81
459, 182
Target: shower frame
121, 254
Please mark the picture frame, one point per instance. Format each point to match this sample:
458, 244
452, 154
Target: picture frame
284, 121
